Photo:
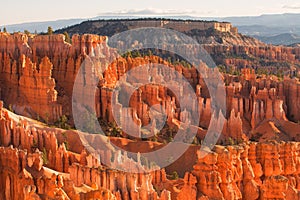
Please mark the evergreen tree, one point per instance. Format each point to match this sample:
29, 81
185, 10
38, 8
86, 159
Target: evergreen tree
50, 30
67, 37
26, 32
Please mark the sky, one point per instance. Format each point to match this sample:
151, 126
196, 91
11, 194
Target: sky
20, 11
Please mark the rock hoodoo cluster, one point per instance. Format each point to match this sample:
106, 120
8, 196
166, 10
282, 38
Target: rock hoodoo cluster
259, 158
35, 163
42, 69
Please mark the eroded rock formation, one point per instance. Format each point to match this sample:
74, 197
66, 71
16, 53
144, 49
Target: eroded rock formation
255, 171
37, 75
49, 65
35, 164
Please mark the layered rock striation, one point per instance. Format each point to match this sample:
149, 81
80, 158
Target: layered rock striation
40, 71
35, 163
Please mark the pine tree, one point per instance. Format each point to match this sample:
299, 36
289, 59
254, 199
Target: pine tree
67, 37
26, 32
50, 30
4, 30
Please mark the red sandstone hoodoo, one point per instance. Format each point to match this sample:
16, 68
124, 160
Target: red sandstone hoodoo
261, 133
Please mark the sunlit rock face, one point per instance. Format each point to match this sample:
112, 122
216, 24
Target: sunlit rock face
35, 164
38, 74
257, 159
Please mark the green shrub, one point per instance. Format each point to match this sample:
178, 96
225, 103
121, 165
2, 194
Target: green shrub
174, 176
62, 122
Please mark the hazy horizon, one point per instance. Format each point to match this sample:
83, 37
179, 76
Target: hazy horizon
32, 11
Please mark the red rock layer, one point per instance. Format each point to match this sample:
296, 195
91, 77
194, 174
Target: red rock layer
28, 88
241, 53
34, 166
254, 171
251, 103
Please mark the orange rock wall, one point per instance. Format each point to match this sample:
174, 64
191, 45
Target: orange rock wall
33, 164
255, 171
250, 171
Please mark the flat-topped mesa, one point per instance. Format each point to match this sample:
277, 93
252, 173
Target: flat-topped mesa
110, 27
180, 25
